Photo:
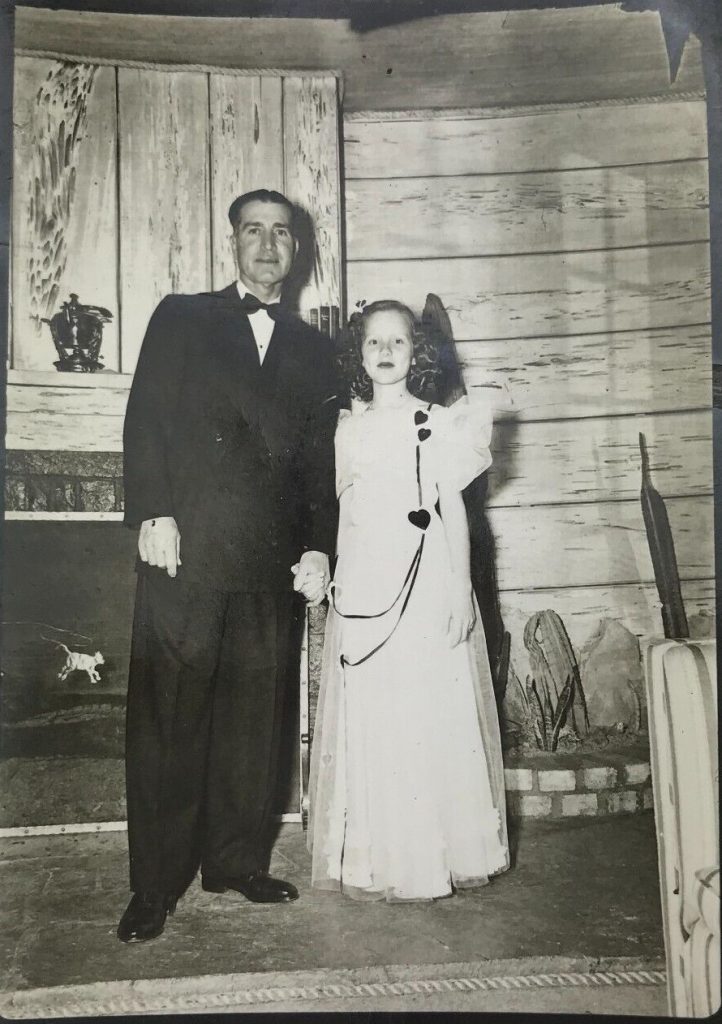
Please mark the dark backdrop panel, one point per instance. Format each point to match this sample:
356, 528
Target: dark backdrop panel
62, 741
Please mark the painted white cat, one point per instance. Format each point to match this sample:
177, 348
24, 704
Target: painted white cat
78, 661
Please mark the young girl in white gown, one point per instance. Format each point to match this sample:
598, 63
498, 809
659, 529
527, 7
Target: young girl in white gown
407, 782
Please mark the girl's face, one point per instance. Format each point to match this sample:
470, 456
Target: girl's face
387, 348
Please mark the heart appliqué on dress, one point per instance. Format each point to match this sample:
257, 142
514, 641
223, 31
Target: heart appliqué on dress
420, 518
423, 433
420, 417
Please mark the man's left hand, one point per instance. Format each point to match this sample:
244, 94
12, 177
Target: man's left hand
312, 576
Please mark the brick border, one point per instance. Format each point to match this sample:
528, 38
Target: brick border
574, 792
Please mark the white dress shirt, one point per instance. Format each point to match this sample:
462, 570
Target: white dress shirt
261, 323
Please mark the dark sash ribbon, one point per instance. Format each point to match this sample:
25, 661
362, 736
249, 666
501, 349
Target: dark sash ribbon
413, 570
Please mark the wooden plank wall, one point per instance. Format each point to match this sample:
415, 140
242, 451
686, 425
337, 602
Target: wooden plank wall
127, 178
164, 238
312, 176
246, 116
64, 202
570, 248
455, 59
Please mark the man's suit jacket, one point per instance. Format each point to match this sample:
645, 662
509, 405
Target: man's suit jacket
239, 453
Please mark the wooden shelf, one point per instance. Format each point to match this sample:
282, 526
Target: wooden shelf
52, 378
64, 517
82, 412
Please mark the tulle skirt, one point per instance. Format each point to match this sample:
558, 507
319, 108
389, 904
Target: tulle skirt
407, 781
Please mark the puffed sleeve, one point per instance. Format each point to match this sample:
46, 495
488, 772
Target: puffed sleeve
343, 450
459, 442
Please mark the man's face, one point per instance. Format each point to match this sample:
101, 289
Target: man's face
265, 247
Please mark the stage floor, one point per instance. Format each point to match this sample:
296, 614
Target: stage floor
582, 896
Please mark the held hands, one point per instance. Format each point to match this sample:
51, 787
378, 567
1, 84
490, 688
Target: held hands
463, 616
159, 543
311, 576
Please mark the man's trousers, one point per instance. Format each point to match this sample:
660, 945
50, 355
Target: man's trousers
208, 673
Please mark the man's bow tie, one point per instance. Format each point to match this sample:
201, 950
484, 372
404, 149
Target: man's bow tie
251, 304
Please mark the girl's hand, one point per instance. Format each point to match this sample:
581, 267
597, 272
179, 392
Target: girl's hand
314, 589
311, 577
462, 617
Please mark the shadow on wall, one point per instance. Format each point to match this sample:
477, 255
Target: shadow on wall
450, 388
305, 262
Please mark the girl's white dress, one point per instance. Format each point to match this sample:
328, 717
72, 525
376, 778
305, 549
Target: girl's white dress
407, 781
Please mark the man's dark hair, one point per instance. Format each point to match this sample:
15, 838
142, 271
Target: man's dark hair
262, 195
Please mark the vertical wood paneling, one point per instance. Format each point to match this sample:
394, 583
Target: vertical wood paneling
64, 202
246, 153
164, 194
126, 177
311, 141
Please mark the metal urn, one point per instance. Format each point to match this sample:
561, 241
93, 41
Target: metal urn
77, 332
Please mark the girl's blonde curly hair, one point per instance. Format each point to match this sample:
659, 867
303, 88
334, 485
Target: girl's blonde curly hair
424, 371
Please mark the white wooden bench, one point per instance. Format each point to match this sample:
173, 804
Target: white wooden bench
681, 681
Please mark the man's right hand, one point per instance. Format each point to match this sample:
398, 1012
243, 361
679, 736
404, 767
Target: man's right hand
159, 543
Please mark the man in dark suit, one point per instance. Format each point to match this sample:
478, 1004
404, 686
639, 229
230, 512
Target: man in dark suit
228, 458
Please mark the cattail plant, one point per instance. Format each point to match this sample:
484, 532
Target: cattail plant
661, 548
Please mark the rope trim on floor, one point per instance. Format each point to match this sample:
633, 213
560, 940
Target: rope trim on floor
23, 1005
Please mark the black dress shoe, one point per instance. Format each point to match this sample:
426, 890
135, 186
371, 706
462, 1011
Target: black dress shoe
145, 916
256, 886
